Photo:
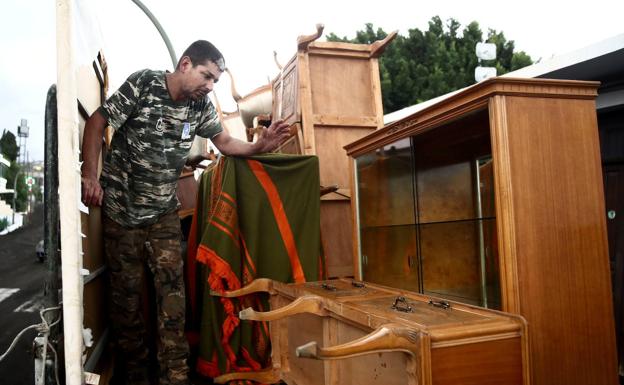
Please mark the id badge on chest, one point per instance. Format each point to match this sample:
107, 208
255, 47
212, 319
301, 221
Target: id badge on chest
186, 131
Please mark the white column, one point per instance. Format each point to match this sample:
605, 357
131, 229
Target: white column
69, 192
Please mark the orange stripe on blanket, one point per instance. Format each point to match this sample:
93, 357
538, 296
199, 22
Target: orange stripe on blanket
219, 271
253, 363
207, 368
225, 230
228, 197
247, 256
280, 217
218, 267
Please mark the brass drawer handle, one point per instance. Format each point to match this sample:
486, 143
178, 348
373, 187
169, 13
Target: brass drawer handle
400, 304
441, 304
328, 287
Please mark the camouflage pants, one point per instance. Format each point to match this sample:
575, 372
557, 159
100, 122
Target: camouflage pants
127, 251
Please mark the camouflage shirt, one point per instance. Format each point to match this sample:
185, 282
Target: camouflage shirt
153, 136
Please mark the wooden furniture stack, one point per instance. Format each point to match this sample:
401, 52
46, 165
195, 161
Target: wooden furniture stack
330, 94
494, 197
354, 333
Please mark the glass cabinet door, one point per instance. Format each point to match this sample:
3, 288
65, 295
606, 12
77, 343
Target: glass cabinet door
385, 186
389, 256
427, 216
456, 224
386, 216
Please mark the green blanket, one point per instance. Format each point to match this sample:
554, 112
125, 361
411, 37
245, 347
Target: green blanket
255, 217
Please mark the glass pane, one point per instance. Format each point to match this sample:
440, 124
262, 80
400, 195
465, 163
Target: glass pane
385, 186
486, 187
492, 270
446, 192
460, 261
389, 256
449, 164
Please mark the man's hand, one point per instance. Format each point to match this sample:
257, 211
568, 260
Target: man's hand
92, 192
270, 138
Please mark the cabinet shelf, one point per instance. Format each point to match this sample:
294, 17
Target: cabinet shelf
430, 223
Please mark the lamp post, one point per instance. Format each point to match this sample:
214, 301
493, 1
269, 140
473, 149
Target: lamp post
22, 133
15, 195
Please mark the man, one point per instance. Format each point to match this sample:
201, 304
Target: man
156, 115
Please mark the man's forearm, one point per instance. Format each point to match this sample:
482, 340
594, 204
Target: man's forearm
92, 144
270, 138
238, 147
228, 145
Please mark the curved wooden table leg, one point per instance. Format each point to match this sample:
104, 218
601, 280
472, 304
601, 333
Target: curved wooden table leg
267, 376
306, 304
257, 285
388, 337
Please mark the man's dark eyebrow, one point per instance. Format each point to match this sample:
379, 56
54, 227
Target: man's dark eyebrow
208, 73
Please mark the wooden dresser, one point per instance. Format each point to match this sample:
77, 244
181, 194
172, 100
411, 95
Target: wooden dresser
354, 333
330, 94
494, 197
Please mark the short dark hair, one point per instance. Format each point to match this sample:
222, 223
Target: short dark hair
203, 50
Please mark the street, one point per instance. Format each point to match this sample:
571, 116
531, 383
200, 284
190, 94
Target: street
22, 278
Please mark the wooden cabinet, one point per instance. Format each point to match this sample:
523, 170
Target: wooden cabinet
494, 197
354, 333
330, 94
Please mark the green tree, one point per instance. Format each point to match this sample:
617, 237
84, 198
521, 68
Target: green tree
8, 146
10, 150
426, 64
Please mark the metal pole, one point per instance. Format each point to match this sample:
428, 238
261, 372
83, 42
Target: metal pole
50, 207
28, 195
160, 29
15, 195
52, 284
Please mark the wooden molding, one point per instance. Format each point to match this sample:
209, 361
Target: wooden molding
376, 91
345, 121
505, 225
305, 93
337, 52
468, 100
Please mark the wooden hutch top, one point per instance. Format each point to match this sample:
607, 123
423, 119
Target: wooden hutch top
470, 99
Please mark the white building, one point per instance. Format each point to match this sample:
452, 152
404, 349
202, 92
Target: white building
12, 219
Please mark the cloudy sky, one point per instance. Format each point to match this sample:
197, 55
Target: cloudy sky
247, 32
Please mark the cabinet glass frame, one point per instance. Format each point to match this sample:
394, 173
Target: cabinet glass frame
462, 150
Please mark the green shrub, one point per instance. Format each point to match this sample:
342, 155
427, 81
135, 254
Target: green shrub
4, 223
